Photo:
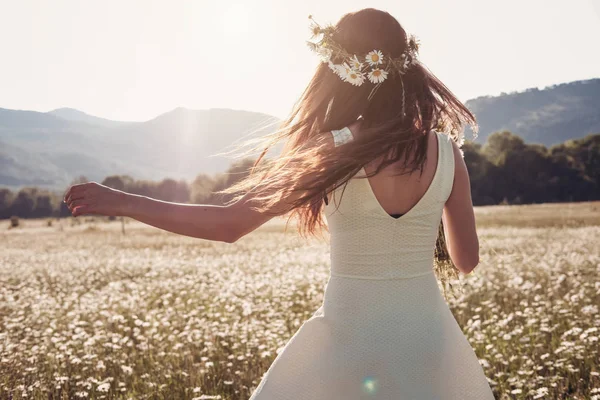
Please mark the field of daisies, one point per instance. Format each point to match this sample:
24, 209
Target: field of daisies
87, 312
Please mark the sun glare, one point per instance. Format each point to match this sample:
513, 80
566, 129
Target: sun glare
236, 19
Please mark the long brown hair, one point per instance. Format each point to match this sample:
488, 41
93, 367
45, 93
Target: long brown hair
310, 168
329, 103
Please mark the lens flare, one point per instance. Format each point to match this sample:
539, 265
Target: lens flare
370, 385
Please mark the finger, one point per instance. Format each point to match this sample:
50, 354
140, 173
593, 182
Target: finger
79, 188
82, 210
78, 203
75, 196
67, 194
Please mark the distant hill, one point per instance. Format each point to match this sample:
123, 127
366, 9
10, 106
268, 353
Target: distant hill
17, 120
72, 114
51, 149
547, 116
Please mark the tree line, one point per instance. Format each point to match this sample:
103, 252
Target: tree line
505, 170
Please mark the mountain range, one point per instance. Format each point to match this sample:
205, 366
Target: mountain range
51, 149
547, 116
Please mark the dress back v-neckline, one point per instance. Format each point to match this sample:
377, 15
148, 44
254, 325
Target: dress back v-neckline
345, 134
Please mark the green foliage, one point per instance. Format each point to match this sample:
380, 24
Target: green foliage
501, 144
505, 170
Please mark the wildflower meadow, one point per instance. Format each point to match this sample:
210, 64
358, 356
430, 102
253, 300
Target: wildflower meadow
89, 312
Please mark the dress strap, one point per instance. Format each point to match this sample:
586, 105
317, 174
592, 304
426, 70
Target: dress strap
447, 163
342, 136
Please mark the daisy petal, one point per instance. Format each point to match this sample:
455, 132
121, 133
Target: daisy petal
377, 75
374, 57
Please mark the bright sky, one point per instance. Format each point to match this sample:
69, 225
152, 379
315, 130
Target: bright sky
133, 60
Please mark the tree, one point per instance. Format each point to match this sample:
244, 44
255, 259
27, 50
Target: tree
202, 189
238, 171
115, 182
23, 204
500, 144
484, 175
172, 190
6, 199
43, 206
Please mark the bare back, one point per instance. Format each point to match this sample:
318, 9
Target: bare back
398, 194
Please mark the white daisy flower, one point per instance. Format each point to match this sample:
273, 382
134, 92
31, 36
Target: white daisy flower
374, 57
343, 70
355, 64
312, 46
355, 77
325, 53
104, 387
377, 75
315, 29
332, 66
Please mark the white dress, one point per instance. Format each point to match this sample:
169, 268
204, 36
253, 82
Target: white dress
384, 330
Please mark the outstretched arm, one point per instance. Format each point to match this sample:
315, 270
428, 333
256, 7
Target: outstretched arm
219, 223
210, 222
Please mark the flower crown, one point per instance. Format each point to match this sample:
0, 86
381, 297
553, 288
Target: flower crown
374, 66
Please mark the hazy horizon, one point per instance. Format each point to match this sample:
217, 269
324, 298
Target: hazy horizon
250, 110
133, 61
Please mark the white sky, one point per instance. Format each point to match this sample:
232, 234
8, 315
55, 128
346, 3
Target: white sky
133, 60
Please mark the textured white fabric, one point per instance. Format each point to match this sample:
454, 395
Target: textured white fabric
384, 330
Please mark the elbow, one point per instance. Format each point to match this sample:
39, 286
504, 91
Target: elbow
467, 257
231, 240
466, 265
231, 235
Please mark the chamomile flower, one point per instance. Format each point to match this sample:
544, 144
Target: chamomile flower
413, 43
343, 70
325, 53
332, 66
377, 75
374, 57
312, 46
315, 29
355, 77
104, 387
355, 64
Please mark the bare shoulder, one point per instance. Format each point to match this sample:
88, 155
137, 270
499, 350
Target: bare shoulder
461, 174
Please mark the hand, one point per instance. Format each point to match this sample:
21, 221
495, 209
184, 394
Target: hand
94, 198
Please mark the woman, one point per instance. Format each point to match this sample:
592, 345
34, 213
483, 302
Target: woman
365, 145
